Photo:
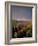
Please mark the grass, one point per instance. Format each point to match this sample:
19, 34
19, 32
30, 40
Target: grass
21, 29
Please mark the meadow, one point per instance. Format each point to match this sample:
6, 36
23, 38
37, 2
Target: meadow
21, 29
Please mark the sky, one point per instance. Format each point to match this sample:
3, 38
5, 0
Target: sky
21, 13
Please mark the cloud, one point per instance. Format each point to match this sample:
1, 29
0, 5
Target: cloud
19, 13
